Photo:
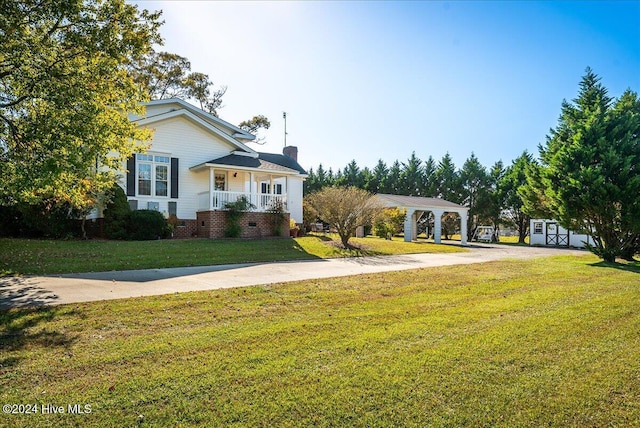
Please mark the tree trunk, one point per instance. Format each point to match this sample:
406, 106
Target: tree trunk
345, 240
84, 231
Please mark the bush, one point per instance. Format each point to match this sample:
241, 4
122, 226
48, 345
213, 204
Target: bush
45, 219
277, 216
116, 214
235, 211
388, 222
145, 225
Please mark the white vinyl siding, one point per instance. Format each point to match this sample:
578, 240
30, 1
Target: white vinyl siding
189, 143
182, 138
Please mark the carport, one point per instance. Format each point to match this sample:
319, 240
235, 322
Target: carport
416, 206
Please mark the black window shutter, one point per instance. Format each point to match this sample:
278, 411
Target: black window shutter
131, 176
173, 208
174, 177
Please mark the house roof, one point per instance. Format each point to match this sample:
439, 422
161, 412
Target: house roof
237, 131
417, 202
268, 163
282, 160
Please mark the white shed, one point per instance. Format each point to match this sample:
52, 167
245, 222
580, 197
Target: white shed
547, 232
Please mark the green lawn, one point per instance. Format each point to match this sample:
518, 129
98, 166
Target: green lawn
546, 342
23, 256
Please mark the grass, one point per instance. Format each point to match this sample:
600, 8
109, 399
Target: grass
545, 342
38, 257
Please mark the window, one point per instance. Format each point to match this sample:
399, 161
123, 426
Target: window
153, 175
277, 188
537, 228
219, 183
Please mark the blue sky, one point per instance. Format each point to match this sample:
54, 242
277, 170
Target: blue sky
379, 80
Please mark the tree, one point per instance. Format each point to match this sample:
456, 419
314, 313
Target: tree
588, 177
379, 178
351, 176
168, 75
412, 178
344, 208
448, 180
509, 186
492, 212
65, 96
430, 184
116, 213
474, 182
393, 179
388, 221
255, 124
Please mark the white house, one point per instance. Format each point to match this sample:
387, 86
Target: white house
197, 163
550, 233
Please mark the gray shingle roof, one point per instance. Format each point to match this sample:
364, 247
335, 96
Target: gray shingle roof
265, 161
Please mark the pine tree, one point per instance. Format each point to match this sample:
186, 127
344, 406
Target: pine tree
589, 178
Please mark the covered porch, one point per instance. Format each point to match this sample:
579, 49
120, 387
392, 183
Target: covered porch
228, 179
415, 207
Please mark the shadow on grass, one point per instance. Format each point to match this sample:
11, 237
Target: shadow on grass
322, 236
627, 266
19, 329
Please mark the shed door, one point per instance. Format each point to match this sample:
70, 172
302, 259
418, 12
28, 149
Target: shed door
556, 235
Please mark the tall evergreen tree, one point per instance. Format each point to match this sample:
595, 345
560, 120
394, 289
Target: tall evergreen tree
448, 180
430, 182
379, 178
493, 212
589, 178
411, 177
393, 183
476, 192
351, 176
513, 179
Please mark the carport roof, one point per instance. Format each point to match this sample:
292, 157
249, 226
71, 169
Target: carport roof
419, 203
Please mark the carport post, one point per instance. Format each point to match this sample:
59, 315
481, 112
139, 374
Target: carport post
463, 227
409, 224
437, 226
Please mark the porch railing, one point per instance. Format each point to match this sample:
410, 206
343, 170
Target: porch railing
260, 201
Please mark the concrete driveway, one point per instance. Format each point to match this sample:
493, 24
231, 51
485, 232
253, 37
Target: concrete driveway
87, 287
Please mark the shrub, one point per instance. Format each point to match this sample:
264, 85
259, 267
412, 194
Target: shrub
235, 211
116, 213
46, 219
344, 208
147, 224
277, 216
388, 222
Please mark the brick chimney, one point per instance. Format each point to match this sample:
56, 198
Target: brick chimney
291, 151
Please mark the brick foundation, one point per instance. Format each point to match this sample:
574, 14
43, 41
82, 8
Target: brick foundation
211, 224
186, 229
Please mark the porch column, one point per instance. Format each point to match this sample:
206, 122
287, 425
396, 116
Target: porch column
437, 226
211, 187
285, 193
463, 226
409, 224
252, 196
